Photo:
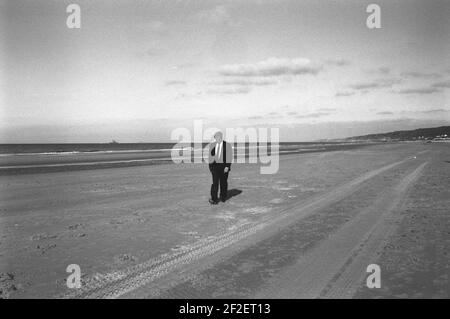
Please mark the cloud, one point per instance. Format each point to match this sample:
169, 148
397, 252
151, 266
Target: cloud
384, 70
216, 15
377, 84
271, 67
423, 90
385, 113
184, 66
175, 82
246, 82
432, 111
435, 111
337, 62
344, 93
150, 52
153, 50
271, 115
381, 71
365, 86
227, 91
237, 85
153, 26
313, 115
434, 88
442, 84
327, 109
420, 75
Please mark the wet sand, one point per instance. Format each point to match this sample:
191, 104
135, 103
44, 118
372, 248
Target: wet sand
149, 232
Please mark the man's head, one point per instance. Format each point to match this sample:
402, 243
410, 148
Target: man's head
218, 136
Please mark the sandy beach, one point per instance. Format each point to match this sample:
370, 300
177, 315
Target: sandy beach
308, 231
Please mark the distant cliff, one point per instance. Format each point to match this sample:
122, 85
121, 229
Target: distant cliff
411, 135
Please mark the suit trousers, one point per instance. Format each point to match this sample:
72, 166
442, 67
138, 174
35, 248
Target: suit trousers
219, 178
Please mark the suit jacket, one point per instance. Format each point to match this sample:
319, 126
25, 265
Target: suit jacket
226, 157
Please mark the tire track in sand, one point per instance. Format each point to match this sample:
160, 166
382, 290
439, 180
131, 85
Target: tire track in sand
118, 283
353, 274
337, 267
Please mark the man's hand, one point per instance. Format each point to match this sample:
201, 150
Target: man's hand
226, 169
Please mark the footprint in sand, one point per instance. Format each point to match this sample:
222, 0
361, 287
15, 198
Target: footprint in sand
257, 210
307, 189
281, 185
181, 247
42, 236
226, 216
75, 226
125, 258
116, 222
192, 234
45, 248
276, 201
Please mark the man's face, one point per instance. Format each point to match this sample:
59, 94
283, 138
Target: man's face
218, 138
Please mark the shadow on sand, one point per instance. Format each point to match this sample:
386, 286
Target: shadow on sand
233, 192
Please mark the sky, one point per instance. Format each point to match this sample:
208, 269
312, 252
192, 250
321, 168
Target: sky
136, 70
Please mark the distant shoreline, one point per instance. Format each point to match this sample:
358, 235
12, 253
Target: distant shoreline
31, 163
75, 148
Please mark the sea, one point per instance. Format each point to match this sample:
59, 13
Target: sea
38, 158
77, 148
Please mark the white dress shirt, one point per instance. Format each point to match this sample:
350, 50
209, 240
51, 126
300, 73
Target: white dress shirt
218, 150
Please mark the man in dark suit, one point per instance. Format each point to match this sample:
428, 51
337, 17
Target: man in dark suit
221, 155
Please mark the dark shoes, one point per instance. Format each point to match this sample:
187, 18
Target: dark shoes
213, 202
